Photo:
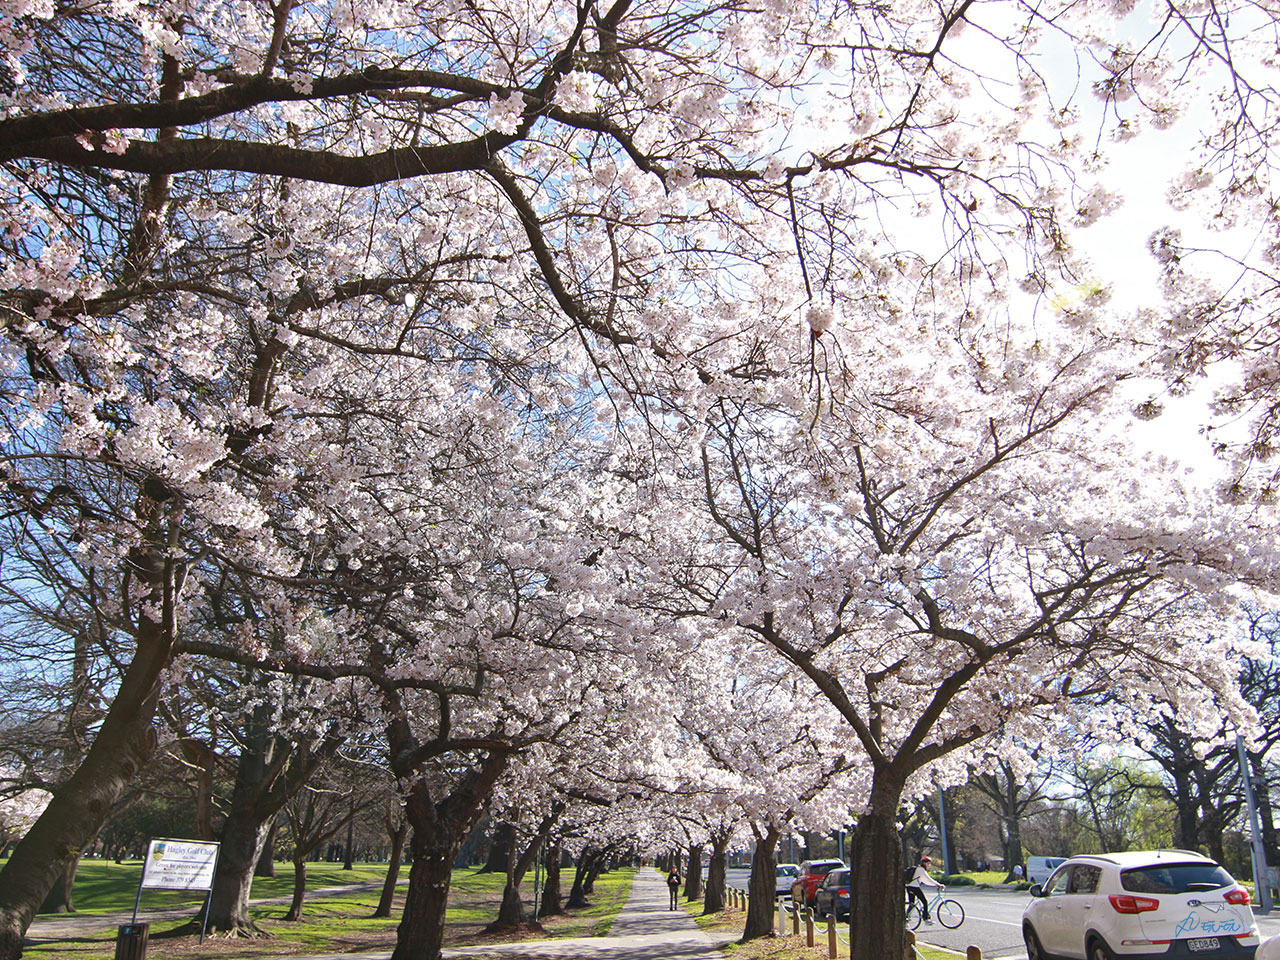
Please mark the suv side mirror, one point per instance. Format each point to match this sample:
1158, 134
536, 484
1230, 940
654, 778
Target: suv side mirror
1037, 890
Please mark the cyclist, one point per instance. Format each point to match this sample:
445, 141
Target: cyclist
918, 877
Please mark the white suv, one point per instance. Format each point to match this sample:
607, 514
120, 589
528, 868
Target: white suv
1149, 904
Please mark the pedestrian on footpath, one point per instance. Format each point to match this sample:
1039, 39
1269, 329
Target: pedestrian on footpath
673, 884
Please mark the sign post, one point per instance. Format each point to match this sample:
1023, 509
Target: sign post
179, 865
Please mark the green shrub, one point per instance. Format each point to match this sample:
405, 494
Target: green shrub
959, 880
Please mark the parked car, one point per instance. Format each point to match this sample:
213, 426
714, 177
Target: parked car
1145, 904
787, 873
805, 885
832, 898
1040, 868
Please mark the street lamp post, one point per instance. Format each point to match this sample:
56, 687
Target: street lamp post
1261, 875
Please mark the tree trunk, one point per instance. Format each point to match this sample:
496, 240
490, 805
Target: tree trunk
578, 893
551, 895
693, 878
348, 861
125, 742
761, 886
499, 850
877, 915
58, 899
1013, 828
593, 871
421, 929
393, 870
299, 887
714, 897
242, 840
511, 912
439, 830
266, 865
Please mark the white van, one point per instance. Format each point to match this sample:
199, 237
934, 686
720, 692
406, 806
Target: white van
1039, 868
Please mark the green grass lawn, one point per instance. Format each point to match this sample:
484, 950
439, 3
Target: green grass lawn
103, 885
330, 924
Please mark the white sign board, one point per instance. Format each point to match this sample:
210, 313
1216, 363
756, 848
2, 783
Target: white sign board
179, 865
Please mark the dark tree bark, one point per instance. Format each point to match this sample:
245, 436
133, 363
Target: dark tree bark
578, 892
693, 877
299, 887
594, 869
399, 831
877, 914
714, 897
439, 829
761, 886
511, 912
58, 900
551, 895
270, 771
348, 860
500, 849
266, 865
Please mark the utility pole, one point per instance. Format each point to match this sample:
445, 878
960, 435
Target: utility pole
1261, 875
942, 822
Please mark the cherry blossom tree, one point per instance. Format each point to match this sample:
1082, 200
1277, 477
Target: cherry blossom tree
260, 261
948, 551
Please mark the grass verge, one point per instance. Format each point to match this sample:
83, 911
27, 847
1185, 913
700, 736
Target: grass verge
338, 923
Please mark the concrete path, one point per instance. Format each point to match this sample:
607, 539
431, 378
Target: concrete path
644, 930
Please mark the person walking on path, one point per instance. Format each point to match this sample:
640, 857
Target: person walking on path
673, 884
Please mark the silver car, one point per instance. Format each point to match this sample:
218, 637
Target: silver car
1148, 905
787, 873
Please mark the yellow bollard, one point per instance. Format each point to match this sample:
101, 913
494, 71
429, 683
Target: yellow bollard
808, 928
831, 938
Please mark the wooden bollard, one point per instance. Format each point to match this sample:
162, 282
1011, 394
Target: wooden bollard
808, 928
910, 952
795, 920
831, 938
973, 953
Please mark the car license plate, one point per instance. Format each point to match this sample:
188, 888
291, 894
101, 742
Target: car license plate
1203, 943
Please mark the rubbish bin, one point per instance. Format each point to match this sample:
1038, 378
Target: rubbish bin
131, 941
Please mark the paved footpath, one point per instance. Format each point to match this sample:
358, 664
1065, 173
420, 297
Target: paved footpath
645, 930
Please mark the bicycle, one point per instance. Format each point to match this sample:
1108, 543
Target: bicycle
946, 911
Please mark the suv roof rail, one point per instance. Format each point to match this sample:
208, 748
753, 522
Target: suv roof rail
1190, 853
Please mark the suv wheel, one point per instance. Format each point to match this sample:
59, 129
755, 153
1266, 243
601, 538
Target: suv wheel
1034, 950
1098, 950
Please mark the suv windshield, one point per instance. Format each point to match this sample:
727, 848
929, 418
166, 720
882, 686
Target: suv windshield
1175, 878
788, 871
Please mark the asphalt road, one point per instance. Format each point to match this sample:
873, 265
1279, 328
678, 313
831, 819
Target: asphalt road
993, 921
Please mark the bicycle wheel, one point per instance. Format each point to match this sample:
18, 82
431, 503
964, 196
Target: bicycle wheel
914, 916
950, 914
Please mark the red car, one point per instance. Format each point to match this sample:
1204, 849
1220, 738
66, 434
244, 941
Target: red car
812, 873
